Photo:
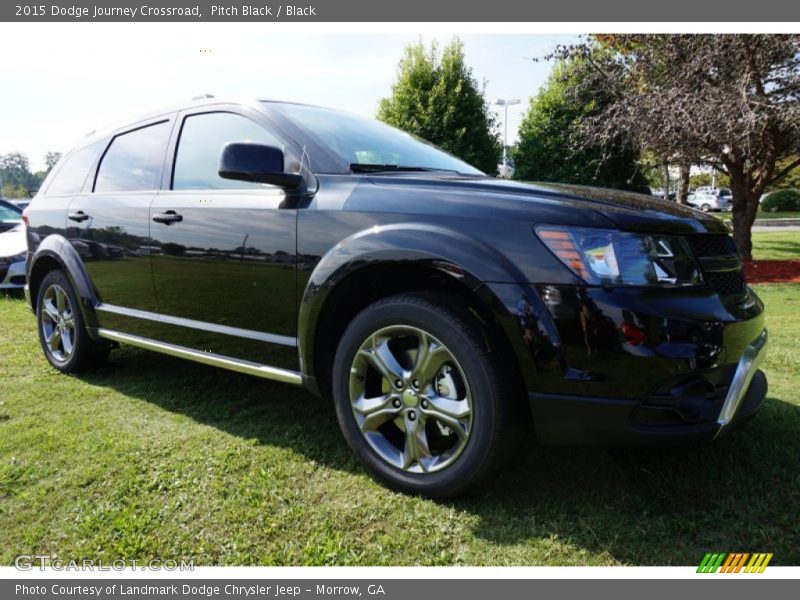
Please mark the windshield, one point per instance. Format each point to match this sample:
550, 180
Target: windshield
365, 142
8, 213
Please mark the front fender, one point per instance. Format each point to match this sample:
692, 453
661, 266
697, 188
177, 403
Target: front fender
57, 249
471, 262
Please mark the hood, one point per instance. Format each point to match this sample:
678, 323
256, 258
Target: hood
13, 241
628, 211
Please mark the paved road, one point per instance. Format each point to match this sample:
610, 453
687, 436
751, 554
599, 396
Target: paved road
776, 228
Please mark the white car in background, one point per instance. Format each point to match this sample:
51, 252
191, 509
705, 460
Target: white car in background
505, 169
712, 200
13, 247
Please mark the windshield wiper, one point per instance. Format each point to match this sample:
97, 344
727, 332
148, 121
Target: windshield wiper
390, 168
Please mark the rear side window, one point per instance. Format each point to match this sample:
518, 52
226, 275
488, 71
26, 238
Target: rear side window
70, 177
202, 139
134, 160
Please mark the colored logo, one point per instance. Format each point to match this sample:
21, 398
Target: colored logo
736, 562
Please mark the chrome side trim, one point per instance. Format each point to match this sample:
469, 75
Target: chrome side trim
206, 358
751, 359
259, 336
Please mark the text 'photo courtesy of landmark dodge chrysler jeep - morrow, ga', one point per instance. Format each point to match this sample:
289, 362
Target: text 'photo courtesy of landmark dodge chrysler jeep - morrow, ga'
445, 312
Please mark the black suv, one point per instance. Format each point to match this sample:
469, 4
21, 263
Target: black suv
441, 309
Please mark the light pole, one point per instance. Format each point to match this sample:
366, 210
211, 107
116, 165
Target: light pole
505, 104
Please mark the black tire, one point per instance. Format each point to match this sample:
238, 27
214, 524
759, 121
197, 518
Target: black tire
706, 208
83, 353
498, 411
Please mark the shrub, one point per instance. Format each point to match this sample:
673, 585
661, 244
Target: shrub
782, 200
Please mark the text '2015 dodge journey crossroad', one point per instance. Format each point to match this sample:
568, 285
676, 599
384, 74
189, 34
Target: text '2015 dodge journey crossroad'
441, 309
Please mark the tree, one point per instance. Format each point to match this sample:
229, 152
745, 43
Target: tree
13, 191
16, 176
684, 174
792, 178
547, 148
14, 170
50, 160
706, 179
728, 101
436, 97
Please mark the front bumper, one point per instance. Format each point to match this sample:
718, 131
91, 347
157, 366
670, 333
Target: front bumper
636, 365
570, 420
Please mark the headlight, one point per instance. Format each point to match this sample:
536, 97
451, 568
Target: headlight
609, 257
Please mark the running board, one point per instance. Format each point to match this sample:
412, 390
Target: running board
206, 358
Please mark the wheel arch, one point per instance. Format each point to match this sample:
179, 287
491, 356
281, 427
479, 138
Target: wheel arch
55, 252
384, 261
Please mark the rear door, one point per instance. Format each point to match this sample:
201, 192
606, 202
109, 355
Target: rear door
224, 269
109, 226
48, 213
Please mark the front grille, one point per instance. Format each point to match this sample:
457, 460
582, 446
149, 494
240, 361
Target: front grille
712, 245
726, 283
719, 261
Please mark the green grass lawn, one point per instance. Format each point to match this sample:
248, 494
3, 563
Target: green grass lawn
776, 245
154, 457
761, 214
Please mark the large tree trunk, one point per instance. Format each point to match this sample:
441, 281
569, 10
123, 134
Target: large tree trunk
683, 184
666, 180
745, 205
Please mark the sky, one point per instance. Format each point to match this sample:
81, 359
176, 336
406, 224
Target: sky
63, 80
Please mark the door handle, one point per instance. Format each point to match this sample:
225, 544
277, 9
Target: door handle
168, 218
78, 216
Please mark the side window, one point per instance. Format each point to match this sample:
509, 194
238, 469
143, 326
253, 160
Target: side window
134, 160
70, 177
200, 145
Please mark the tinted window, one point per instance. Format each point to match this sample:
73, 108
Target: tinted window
362, 141
201, 142
134, 160
9, 212
70, 176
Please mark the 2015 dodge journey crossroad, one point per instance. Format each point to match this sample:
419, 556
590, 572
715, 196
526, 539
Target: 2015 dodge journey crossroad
442, 310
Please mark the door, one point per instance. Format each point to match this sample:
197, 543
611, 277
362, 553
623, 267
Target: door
224, 264
108, 224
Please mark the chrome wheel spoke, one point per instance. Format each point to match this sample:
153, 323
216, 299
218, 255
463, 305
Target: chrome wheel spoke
381, 357
430, 358
416, 449
66, 342
54, 341
61, 300
49, 310
375, 411
451, 413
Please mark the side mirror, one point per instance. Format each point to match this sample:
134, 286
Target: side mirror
259, 163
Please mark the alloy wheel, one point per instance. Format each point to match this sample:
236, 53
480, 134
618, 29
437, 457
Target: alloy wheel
58, 323
411, 399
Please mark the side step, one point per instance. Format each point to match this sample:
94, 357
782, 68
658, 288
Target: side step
206, 358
